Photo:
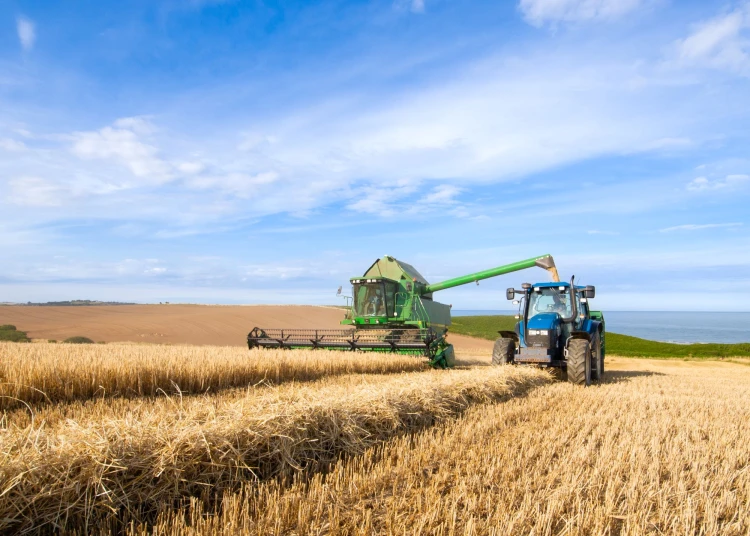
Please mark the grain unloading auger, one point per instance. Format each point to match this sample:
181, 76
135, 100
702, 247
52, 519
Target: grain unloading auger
392, 310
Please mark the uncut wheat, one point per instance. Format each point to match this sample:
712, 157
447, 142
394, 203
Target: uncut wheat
34, 374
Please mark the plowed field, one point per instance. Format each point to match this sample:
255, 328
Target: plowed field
215, 325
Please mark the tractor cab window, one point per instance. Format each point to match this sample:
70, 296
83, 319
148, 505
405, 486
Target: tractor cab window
374, 299
549, 300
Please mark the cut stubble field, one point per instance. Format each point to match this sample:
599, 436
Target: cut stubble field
159, 439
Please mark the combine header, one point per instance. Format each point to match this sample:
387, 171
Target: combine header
392, 310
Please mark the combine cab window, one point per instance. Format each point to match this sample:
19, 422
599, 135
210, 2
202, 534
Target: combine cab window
374, 299
549, 300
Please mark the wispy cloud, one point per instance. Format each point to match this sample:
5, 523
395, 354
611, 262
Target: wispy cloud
539, 12
415, 6
123, 143
722, 42
702, 184
699, 227
26, 32
11, 145
36, 192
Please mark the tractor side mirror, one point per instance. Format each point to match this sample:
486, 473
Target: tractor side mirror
510, 293
590, 291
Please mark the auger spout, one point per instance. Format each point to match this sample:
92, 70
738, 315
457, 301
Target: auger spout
544, 261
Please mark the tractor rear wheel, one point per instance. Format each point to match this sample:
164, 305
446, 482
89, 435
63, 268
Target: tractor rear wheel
597, 359
579, 362
503, 352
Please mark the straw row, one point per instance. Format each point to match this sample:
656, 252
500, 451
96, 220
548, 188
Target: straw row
79, 474
37, 374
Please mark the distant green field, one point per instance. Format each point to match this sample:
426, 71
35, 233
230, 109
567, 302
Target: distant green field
486, 327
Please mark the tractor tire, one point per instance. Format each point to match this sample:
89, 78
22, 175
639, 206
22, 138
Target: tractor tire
579, 362
503, 352
598, 357
597, 373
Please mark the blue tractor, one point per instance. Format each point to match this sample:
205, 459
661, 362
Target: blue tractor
556, 330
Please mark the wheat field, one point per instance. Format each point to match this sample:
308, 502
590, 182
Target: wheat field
271, 442
44, 373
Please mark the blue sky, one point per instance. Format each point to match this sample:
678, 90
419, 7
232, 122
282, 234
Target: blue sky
265, 152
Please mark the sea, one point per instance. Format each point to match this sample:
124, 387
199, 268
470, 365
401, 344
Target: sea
677, 327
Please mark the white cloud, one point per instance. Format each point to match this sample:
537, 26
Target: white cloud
539, 12
12, 146
36, 192
382, 199
123, 144
417, 6
441, 195
140, 125
240, 184
722, 42
191, 168
26, 32
701, 184
698, 227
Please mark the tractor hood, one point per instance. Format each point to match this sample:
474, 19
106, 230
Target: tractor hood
544, 321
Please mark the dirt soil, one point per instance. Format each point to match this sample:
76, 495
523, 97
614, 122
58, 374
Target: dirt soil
217, 325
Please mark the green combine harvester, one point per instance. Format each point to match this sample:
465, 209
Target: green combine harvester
392, 310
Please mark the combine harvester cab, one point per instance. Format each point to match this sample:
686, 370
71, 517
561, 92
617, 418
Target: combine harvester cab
556, 329
392, 310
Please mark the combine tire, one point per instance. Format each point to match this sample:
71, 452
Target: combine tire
579, 362
503, 352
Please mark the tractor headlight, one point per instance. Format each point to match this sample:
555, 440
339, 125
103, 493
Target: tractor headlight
538, 332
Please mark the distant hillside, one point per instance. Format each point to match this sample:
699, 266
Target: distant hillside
75, 303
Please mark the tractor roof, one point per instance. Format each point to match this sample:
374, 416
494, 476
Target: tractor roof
549, 284
391, 268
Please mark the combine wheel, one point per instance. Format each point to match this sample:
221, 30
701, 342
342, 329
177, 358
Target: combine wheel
579, 362
503, 352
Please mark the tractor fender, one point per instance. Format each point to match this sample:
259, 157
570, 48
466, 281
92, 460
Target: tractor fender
594, 327
580, 335
509, 335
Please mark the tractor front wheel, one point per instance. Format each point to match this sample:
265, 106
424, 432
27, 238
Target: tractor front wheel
503, 352
579, 362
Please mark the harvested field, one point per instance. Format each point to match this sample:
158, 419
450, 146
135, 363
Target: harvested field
113, 463
661, 450
43, 373
218, 440
216, 325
